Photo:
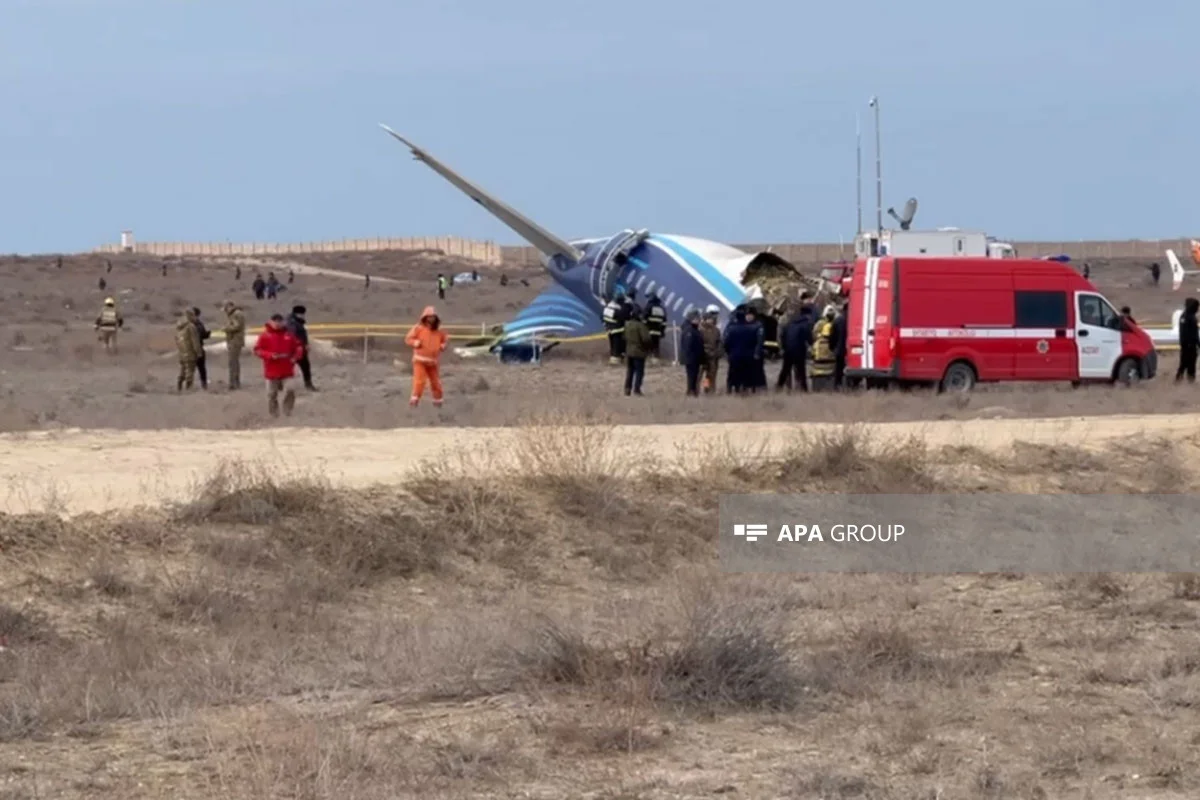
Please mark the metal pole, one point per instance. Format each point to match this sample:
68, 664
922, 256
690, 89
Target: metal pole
675, 342
878, 170
858, 156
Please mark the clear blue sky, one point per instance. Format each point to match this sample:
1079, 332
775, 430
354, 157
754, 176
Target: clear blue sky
257, 119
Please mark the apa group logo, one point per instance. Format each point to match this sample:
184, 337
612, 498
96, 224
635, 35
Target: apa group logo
751, 533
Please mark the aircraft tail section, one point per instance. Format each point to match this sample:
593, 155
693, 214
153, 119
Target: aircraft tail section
553, 247
1177, 272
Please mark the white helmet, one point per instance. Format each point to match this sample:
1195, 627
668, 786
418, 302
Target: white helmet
712, 309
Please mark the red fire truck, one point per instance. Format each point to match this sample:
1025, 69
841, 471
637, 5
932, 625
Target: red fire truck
956, 321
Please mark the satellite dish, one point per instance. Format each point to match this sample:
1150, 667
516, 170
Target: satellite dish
906, 217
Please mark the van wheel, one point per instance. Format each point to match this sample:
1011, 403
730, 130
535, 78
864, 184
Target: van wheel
1128, 372
959, 377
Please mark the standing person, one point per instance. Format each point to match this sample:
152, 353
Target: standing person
441, 286
188, 346
259, 287
691, 347
201, 360
1087, 271
108, 323
428, 340
823, 357
757, 378
797, 334
711, 332
272, 286
291, 276
1155, 273
740, 343
1189, 341
839, 348
299, 328
637, 346
235, 340
656, 322
279, 351
614, 327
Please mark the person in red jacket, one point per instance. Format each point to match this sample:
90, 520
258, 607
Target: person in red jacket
279, 351
427, 340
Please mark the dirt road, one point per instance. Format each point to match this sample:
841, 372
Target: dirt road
76, 471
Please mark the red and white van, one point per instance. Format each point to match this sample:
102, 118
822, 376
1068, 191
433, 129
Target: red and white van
954, 322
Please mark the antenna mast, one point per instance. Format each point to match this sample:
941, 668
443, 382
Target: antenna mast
878, 169
858, 156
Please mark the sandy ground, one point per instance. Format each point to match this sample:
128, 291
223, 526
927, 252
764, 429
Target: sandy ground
76, 471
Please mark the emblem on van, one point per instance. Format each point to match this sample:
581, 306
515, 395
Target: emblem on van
1043, 346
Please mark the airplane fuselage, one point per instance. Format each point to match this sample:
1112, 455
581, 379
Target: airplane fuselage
684, 273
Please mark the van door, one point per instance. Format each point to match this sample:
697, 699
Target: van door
1097, 335
870, 322
1042, 339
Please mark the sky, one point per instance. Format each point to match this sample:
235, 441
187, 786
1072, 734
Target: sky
257, 120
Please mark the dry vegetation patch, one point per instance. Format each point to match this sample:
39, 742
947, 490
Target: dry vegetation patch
559, 625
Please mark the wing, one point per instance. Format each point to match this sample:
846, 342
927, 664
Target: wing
527, 229
554, 313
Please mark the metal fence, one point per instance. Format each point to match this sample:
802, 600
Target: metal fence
1149, 249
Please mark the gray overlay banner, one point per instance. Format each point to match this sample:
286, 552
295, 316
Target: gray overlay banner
959, 533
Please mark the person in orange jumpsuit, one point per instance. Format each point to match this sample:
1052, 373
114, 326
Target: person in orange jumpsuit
427, 341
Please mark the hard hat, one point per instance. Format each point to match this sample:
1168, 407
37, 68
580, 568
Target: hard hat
712, 309
108, 301
830, 310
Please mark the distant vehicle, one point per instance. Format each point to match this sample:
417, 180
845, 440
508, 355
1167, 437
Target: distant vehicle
939, 243
954, 322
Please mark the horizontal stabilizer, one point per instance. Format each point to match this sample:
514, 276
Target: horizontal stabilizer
555, 313
545, 241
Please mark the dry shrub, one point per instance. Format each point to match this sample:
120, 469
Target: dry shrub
368, 537
23, 626
243, 493
725, 656
733, 654
848, 458
871, 656
1185, 586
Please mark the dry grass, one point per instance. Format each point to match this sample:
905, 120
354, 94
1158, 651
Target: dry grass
565, 630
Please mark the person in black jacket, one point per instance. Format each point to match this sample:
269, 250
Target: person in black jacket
839, 348
758, 373
1189, 341
201, 363
298, 327
741, 344
691, 350
797, 334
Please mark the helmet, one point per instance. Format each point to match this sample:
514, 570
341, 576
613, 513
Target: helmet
108, 301
830, 311
712, 309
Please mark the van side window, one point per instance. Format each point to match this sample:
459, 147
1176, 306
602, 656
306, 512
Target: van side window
1041, 309
1094, 310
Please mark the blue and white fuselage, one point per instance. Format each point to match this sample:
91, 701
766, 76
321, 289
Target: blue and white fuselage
686, 273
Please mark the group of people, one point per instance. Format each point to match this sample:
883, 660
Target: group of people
279, 337
648, 326
810, 346
811, 349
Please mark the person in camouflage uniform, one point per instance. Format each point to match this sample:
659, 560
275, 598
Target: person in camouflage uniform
235, 341
189, 347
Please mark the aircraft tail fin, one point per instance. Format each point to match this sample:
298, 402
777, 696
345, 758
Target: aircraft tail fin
546, 242
1177, 272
